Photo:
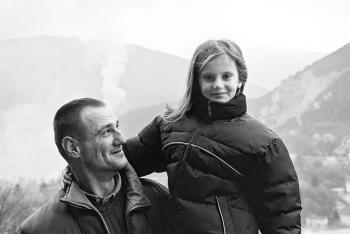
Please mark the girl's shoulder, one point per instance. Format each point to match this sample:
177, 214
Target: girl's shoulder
244, 132
258, 127
185, 123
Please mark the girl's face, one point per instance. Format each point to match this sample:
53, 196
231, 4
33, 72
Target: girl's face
218, 80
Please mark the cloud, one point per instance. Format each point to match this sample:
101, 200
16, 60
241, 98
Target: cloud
86, 19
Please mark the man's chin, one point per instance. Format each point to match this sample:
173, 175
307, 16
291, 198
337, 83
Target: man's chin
121, 163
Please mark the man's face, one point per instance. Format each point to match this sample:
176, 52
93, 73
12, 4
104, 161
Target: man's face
101, 140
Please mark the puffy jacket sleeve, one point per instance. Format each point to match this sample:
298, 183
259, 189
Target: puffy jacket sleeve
273, 191
144, 151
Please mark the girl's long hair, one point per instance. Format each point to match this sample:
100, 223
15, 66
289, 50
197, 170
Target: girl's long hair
202, 55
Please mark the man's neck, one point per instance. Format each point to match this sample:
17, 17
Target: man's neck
100, 186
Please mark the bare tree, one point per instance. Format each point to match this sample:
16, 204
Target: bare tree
14, 207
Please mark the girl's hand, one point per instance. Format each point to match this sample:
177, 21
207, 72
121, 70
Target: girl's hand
67, 177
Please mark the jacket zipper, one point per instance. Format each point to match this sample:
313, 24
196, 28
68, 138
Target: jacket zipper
222, 218
104, 222
91, 208
128, 222
209, 109
128, 217
187, 151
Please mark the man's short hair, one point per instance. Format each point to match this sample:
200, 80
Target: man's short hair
67, 120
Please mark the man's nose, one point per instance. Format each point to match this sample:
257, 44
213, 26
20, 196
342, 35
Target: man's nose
119, 138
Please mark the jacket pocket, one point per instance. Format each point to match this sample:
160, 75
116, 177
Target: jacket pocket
194, 217
224, 211
241, 215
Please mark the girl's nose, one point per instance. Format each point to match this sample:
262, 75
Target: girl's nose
218, 83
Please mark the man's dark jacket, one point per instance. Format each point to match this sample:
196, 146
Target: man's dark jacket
71, 212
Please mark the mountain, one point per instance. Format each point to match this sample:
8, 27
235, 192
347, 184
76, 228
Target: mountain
267, 66
133, 121
152, 77
39, 74
311, 109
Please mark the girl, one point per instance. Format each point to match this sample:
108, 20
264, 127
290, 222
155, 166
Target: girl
227, 172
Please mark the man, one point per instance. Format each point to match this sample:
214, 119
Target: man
106, 196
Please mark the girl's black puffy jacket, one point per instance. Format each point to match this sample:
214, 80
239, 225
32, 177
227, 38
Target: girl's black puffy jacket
227, 172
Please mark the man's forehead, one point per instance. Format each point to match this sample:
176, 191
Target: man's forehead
98, 116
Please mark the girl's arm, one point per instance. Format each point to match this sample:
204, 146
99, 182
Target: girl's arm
144, 151
273, 191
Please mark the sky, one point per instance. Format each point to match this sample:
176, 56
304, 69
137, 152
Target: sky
178, 26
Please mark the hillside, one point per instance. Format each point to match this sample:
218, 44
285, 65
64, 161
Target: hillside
311, 110
132, 122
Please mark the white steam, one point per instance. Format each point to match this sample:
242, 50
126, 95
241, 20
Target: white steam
112, 74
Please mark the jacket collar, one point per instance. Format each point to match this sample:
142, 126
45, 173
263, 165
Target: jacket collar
100, 200
210, 111
135, 197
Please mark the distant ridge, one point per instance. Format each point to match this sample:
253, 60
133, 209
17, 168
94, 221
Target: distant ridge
311, 109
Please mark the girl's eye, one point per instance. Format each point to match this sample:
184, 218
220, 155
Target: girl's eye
227, 76
207, 78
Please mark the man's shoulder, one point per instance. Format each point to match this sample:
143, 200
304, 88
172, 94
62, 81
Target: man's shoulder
159, 197
51, 217
154, 189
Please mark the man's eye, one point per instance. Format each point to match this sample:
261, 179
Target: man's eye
106, 132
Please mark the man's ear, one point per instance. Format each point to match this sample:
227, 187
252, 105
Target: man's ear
71, 146
239, 84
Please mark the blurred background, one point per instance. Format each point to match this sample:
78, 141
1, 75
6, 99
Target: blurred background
135, 55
